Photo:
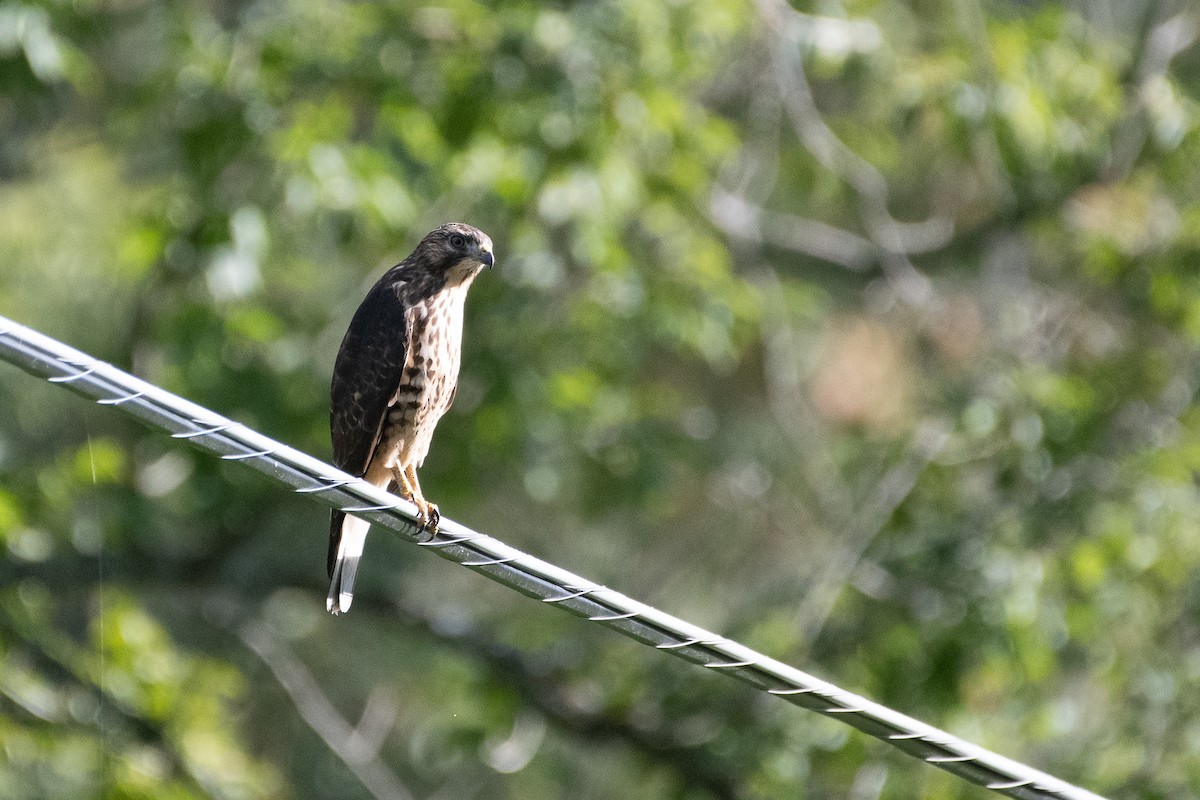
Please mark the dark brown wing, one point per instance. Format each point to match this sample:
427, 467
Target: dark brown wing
366, 375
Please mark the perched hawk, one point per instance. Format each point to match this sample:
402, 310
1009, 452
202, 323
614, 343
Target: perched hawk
394, 377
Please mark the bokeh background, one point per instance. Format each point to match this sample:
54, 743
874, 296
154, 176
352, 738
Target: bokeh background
864, 331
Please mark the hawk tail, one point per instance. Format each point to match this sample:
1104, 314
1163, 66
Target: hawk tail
347, 535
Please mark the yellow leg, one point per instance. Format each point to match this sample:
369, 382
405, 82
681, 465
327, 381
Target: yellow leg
429, 514
403, 484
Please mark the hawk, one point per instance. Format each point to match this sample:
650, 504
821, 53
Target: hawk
395, 376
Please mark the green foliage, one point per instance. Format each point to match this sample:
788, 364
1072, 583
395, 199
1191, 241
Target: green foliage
865, 332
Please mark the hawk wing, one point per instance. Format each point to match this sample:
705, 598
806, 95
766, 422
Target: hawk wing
366, 375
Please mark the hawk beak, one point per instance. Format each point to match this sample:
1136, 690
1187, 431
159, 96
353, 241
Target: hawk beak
487, 259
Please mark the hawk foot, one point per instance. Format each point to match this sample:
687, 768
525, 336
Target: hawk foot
428, 517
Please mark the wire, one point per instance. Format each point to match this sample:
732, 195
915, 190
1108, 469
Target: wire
45, 357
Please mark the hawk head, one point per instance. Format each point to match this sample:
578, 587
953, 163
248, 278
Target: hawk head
457, 250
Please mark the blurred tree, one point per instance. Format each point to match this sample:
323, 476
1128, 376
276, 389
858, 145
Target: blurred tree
866, 331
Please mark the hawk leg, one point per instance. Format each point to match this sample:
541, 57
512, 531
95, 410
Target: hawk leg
428, 515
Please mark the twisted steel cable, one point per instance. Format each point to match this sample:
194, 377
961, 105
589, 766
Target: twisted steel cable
47, 358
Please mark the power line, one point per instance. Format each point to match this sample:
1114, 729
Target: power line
47, 358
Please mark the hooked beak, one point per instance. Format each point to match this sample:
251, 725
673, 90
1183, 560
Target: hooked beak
487, 259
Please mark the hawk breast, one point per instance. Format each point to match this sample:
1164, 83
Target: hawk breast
429, 379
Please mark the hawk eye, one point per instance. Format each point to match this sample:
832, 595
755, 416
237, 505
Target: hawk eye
457, 242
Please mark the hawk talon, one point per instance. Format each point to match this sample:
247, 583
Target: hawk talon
428, 518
